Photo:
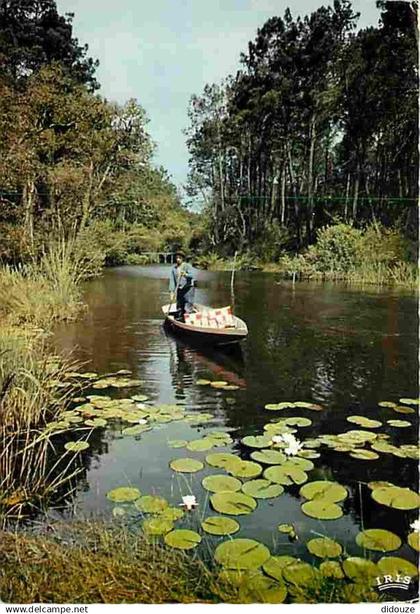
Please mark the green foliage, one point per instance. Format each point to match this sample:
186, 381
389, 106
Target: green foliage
372, 255
338, 248
319, 123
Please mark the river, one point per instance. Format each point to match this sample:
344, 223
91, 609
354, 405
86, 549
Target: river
343, 348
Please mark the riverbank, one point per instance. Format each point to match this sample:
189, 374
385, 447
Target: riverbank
91, 562
342, 253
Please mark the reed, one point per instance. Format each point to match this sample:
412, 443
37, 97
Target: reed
33, 390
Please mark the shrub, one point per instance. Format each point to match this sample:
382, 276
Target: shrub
337, 248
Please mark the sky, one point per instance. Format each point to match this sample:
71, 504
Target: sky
160, 52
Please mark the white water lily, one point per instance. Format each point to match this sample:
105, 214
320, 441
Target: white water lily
189, 502
293, 444
142, 421
415, 526
277, 439
140, 405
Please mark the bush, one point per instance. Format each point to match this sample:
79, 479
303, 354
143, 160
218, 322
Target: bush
137, 259
375, 255
337, 248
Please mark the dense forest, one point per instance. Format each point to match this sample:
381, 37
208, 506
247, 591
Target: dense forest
318, 126
72, 163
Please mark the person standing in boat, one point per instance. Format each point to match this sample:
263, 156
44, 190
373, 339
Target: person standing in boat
181, 285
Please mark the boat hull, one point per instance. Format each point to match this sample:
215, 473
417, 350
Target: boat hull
206, 336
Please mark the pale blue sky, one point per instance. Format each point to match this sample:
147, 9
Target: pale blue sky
163, 51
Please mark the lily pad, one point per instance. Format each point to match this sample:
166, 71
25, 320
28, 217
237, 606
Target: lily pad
221, 459
378, 539
324, 548
286, 528
390, 404
233, 503
171, 513
257, 441
268, 457
203, 382
379, 484
219, 384
301, 463
365, 422
356, 436
298, 421
177, 443
277, 475
400, 409
186, 465
396, 497
275, 565
299, 573
140, 398
262, 489
399, 423
413, 540
331, 569
199, 445
96, 422
410, 451
123, 494
221, 483
324, 490
361, 570
306, 405
322, 509
150, 504
261, 589
364, 454
182, 539
244, 469
410, 401
241, 554
219, 525
393, 566
76, 446
157, 526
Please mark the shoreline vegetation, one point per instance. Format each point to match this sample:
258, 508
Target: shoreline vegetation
94, 562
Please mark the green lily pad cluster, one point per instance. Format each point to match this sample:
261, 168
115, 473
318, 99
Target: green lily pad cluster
322, 499
293, 404
218, 384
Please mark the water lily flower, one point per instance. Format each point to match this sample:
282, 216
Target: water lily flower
293, 444
189, 502
277, 439
415, 526
142, 421
141, 405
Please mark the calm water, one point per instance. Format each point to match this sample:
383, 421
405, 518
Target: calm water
345, 349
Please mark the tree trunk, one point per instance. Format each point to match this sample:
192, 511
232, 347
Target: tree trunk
295, 203
283, 194
310, 206
356, 193
87, 198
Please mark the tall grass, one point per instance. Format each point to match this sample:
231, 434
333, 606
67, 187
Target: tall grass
47, 289
93, 562
33, 390
33, 386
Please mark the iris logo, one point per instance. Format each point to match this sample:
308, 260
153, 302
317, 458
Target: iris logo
387, 582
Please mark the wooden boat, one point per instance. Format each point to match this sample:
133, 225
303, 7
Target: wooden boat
208, 336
